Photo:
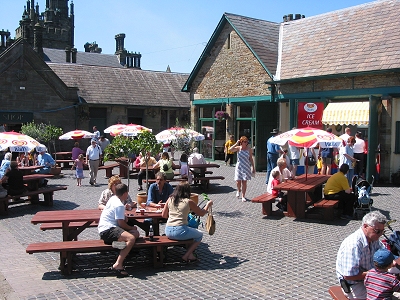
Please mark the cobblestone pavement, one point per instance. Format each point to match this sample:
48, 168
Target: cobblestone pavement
249, 257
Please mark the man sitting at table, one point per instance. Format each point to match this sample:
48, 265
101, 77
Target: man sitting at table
14, 180
114, 230
337, 188
196, 158
44, 159
150, 162
159, 191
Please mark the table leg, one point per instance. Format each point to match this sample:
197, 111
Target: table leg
296, 206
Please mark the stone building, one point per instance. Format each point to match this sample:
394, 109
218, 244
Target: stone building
45, 79
339, 61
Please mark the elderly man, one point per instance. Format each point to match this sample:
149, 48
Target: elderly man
44, 159
93, 156
150, 161
196, 158
355, 255
337, 188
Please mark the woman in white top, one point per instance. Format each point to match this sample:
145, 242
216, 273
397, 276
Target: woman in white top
359, 150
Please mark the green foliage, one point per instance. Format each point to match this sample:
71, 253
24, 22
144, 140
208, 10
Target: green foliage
184, 142
205, 196
43, 133
122, 146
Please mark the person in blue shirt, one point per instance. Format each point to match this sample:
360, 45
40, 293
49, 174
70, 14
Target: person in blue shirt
273, 153
44, 159
5, 164
159, 191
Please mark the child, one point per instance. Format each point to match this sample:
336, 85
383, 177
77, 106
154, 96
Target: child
183, 162
278, 194
378, 282
78, 164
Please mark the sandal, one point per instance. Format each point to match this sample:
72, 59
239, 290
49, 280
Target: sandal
120, 272
140, 188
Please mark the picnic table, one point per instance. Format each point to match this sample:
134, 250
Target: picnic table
26, 170
199, 175
301, 191
32, 180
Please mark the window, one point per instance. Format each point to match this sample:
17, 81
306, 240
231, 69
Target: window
135, 116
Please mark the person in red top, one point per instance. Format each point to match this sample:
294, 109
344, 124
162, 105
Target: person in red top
282, 201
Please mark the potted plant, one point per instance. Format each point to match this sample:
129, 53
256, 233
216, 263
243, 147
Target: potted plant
221, 115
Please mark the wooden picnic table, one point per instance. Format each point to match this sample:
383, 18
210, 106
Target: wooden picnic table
302, 191
32, 180
87, 217
26, 170
64, 155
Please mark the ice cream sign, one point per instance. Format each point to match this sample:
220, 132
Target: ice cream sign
309, 114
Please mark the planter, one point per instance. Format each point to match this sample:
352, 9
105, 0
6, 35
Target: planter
194, 197
55, 170
141, 197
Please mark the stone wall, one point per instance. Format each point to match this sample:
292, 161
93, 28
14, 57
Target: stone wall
233, 72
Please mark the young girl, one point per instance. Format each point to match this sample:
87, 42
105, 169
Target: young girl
22, 159
78, 164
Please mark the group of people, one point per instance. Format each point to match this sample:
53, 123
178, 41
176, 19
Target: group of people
117, 231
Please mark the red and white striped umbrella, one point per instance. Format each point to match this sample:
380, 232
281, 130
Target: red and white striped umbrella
126, 130
171, 134
17, 142
76, 135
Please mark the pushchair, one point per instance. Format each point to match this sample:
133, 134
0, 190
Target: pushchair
392, 243
362, 190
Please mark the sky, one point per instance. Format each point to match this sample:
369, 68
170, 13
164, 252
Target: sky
166, 32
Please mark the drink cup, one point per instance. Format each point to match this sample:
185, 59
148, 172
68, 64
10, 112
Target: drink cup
143, 204
162, 205
142, 210
158, 206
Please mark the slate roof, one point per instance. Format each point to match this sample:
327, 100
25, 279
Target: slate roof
362, 38
83, 58
261, 36
124, 86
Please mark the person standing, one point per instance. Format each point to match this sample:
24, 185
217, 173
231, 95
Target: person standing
359, 150
355, 255
294, 159
76, 151
114, 230
310, 159
93, 156
326, 155
96, 133
345, 136
273, 153
229, 154
347, 157
78, 164
244, 166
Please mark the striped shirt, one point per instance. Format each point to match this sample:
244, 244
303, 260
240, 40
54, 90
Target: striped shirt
381, 285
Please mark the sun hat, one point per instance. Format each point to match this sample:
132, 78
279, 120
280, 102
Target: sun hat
41, 148
384, 257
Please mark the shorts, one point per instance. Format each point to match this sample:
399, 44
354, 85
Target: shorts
111, 235
295, 162
183, 232
327, 160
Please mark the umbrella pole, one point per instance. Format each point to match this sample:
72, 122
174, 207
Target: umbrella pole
307, 163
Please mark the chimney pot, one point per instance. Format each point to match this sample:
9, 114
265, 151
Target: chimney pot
285, 18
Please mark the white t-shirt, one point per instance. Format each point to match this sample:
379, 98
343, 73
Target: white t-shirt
294, 152
284, 174
110, 215
359, 146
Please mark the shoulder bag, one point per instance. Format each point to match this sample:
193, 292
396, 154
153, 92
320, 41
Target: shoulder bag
210, 223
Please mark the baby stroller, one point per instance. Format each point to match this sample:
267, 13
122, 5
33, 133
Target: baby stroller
362, 190
392, 243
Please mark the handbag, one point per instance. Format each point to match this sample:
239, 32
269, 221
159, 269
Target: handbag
193, 220
210, 223
311, 161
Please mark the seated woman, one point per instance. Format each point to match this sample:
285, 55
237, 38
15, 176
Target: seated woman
14, 180
177, 209
113, 181
5, 164
22, 159
166, 165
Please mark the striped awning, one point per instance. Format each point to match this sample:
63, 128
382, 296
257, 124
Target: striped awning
349, 113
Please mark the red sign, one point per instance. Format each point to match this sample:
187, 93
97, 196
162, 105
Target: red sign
309, 114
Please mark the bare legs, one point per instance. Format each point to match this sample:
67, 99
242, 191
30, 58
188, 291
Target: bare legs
129, 238
189, 253
242, 187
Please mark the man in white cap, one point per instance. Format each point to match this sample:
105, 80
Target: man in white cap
93, 156
44, 159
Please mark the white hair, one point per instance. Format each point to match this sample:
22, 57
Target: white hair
8, 156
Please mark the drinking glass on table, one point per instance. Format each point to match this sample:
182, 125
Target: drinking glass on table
143, 204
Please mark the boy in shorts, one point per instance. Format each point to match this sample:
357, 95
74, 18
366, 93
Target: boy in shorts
114, 230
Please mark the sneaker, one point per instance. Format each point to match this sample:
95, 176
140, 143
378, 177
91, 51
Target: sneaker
237, 194
140, 188
91, 183
118, 245
244, 199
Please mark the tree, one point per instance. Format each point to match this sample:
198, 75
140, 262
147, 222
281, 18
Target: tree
43, 133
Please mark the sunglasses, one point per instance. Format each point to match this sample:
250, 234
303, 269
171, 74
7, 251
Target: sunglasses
377, 231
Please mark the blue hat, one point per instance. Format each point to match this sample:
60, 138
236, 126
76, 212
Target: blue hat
93, 140
384, 257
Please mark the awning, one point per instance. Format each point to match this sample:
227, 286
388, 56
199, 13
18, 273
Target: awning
349, 113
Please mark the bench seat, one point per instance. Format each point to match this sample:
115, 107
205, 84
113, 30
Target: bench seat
109, 168
327, 207
337, 293
168, 180
68, 248
266, 200
58, 225
47, 195
64, 163
206, 180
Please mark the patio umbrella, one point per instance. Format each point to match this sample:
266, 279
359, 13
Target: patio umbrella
207, 129
76, 135
17, 142
171, 134
126, 130
114, 128
308, 137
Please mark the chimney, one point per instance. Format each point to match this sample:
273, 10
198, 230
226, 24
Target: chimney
68, 54
285, 18
74, 53
289, 17
38, 38
119, 41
